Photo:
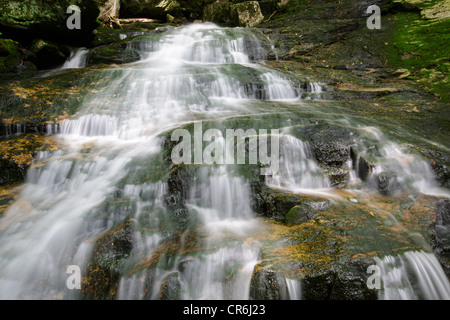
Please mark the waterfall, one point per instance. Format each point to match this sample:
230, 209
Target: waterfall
298, 172
77, 59
406, 169
294, 289
113, 178
412, 275
185, 75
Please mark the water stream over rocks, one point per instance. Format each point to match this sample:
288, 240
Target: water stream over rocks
140, 227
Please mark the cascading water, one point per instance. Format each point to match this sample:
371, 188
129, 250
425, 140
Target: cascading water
298, 171
413, 275
59, 212
111, 178
77, 59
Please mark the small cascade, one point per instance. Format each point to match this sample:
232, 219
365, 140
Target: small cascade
298, 171
412, 275
392, 167
77, 59
294, 289
90, 125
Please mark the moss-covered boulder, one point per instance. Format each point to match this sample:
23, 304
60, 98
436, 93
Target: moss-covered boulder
12, 57
305, 212
170, 287
47, 19
267, 284
102, 276
247, 14
220, 13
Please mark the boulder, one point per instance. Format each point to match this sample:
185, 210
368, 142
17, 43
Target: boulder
268, 285
154, 9
440, 234
46, 19
10, 56
220, 13
48, 54
443, 213
170, 287
387, 183
247, 14
11, 172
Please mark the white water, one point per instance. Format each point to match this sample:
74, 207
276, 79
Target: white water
411, 171
294, 289
413, 275
56, 219
298, 171
77, 59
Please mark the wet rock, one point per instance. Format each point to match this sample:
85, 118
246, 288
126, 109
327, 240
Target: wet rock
12, 57
102, 276
338, 177
170, 287
343, 282
387, 183
178, 184
245, 14
361, 164
116, 53
115, 244
440, 234
305, 212
329, 143
100, 282
317, 287
443, 213
439, 162
267, 285
11, 172
351, 284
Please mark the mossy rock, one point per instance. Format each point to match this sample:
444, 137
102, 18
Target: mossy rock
9, 56
305, 212
267, 284
170, 287
247, 14
220, 13
100, 282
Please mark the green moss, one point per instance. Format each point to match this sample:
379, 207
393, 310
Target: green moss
9, 55
420, 46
